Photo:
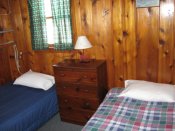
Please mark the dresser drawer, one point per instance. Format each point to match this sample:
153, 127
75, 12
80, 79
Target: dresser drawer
77, 90
76, 77
75, 116
78, 103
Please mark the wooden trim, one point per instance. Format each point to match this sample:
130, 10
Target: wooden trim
51, 50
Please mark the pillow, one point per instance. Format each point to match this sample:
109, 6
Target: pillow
148, 91
35, 80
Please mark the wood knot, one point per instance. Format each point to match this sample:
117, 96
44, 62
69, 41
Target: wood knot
166, 52
24, 18
105, 12
119, 41
170, 82
121, 78
171, 66
150, 10
125, 33
3, 8
113, 61
162, 42
102, 46
94, 2
162, 30
112, 3
84, 19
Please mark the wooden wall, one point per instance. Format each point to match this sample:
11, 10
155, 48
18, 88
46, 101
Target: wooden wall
6, 50
137, 43
9, 16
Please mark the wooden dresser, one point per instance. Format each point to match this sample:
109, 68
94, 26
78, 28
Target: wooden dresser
81, 87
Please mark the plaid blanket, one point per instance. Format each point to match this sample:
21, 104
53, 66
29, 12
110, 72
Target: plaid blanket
127, 114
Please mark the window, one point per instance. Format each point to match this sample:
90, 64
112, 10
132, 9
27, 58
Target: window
50, 22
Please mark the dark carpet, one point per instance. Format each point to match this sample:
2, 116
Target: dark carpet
55, 124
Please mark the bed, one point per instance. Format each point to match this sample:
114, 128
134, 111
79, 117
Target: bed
129, 114
25, 109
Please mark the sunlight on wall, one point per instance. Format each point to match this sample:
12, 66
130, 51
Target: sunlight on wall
167, 9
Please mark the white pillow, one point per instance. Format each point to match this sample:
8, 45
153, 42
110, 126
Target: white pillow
149, 91
35, 80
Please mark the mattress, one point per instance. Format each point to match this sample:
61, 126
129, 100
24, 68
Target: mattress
127, 114
25, 109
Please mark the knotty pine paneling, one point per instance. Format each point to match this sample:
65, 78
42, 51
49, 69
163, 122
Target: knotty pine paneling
129, 37
5, 24
6, 73
147, 43
19, 35
137, 43
4, 7
166, 48
93, 19
118, 42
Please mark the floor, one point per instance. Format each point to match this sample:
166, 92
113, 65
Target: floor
55, 124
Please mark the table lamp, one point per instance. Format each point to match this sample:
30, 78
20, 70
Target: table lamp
82, 44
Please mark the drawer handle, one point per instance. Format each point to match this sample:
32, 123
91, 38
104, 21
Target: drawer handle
85, 76
64, 87
62, 75
77, 89
86, 105
66, 101
86, 90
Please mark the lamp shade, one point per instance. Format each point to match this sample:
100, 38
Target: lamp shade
82, 43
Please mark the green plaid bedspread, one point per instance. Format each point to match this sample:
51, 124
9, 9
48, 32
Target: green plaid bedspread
127, 114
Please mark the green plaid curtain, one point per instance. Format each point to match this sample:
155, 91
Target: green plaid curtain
38, 24
62, 24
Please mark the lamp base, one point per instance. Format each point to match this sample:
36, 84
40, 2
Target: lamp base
84, 59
